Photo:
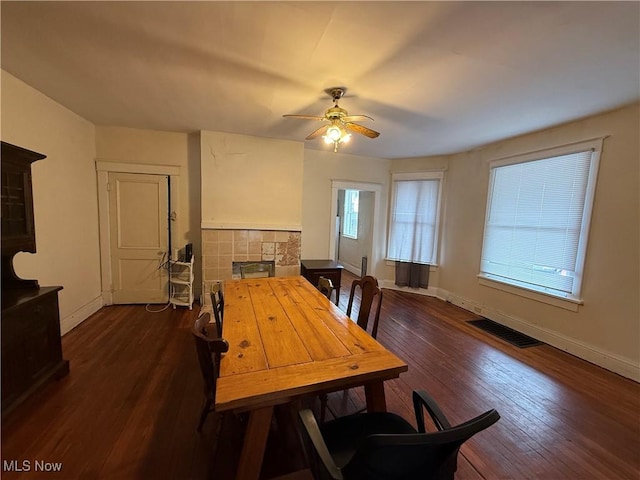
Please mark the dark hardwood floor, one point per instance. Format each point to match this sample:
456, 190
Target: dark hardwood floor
130, 405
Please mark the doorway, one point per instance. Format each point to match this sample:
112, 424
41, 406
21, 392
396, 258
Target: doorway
134, 203
345, 248
355, 234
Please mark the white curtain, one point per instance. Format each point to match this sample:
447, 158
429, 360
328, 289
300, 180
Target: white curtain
413, 229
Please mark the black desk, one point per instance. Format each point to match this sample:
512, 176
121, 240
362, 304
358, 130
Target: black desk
312, 270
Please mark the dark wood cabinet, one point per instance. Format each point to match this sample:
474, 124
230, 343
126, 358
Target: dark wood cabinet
18, 228
31, 344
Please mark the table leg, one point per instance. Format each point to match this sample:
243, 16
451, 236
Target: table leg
338, 295
374, 393
253, 446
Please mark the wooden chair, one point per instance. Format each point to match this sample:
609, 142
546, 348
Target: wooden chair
256, 270
217, 304
209, 347
325, 285
369, 292
384, 446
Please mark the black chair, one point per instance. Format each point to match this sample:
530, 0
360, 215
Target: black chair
217, 304
369, 292
384, 446
325, 285
210, 348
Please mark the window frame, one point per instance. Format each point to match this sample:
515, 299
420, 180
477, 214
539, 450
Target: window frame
350, 214
431, 175
548, 295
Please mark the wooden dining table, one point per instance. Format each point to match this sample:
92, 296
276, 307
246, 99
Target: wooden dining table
287, 341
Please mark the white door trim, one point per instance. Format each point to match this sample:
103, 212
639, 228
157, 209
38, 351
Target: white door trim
103, 167
376, 188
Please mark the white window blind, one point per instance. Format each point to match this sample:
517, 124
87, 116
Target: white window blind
537, 220
351, 206
413, 231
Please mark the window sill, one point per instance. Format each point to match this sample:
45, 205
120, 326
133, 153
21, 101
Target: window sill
543, 297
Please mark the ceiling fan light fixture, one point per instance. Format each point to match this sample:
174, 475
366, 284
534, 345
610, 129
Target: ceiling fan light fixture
340, 123
334, 133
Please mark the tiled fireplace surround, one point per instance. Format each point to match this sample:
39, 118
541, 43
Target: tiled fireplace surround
222, 247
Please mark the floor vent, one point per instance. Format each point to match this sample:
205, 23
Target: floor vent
505, 333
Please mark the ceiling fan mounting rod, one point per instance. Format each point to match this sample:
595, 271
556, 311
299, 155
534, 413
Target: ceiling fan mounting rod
336, 93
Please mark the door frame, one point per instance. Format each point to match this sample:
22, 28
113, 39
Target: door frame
103, 168
376, 188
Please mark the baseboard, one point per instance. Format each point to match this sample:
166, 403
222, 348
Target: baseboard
351, 268
429, 292
589, 353
76, 318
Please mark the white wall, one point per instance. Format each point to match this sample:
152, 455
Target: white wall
64, 197
320, 169
251, 182
606, 329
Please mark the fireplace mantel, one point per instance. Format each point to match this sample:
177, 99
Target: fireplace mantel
250, 226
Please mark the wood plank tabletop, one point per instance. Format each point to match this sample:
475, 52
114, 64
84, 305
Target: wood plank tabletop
286, 339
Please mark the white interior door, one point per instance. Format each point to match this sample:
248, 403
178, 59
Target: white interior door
138, 233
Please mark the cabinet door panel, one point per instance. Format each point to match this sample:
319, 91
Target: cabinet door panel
31, 343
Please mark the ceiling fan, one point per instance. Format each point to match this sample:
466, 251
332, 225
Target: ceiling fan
340, 123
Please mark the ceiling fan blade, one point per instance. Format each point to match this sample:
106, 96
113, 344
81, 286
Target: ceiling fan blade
305, 117
354, 127
318, 132
356, 118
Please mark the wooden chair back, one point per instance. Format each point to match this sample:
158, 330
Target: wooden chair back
256, 270
217, 304
209, 348
369, 292
325, 285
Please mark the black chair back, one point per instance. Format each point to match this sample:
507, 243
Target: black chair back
430, 455
384, 446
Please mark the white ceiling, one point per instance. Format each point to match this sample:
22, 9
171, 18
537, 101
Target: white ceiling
437, 77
